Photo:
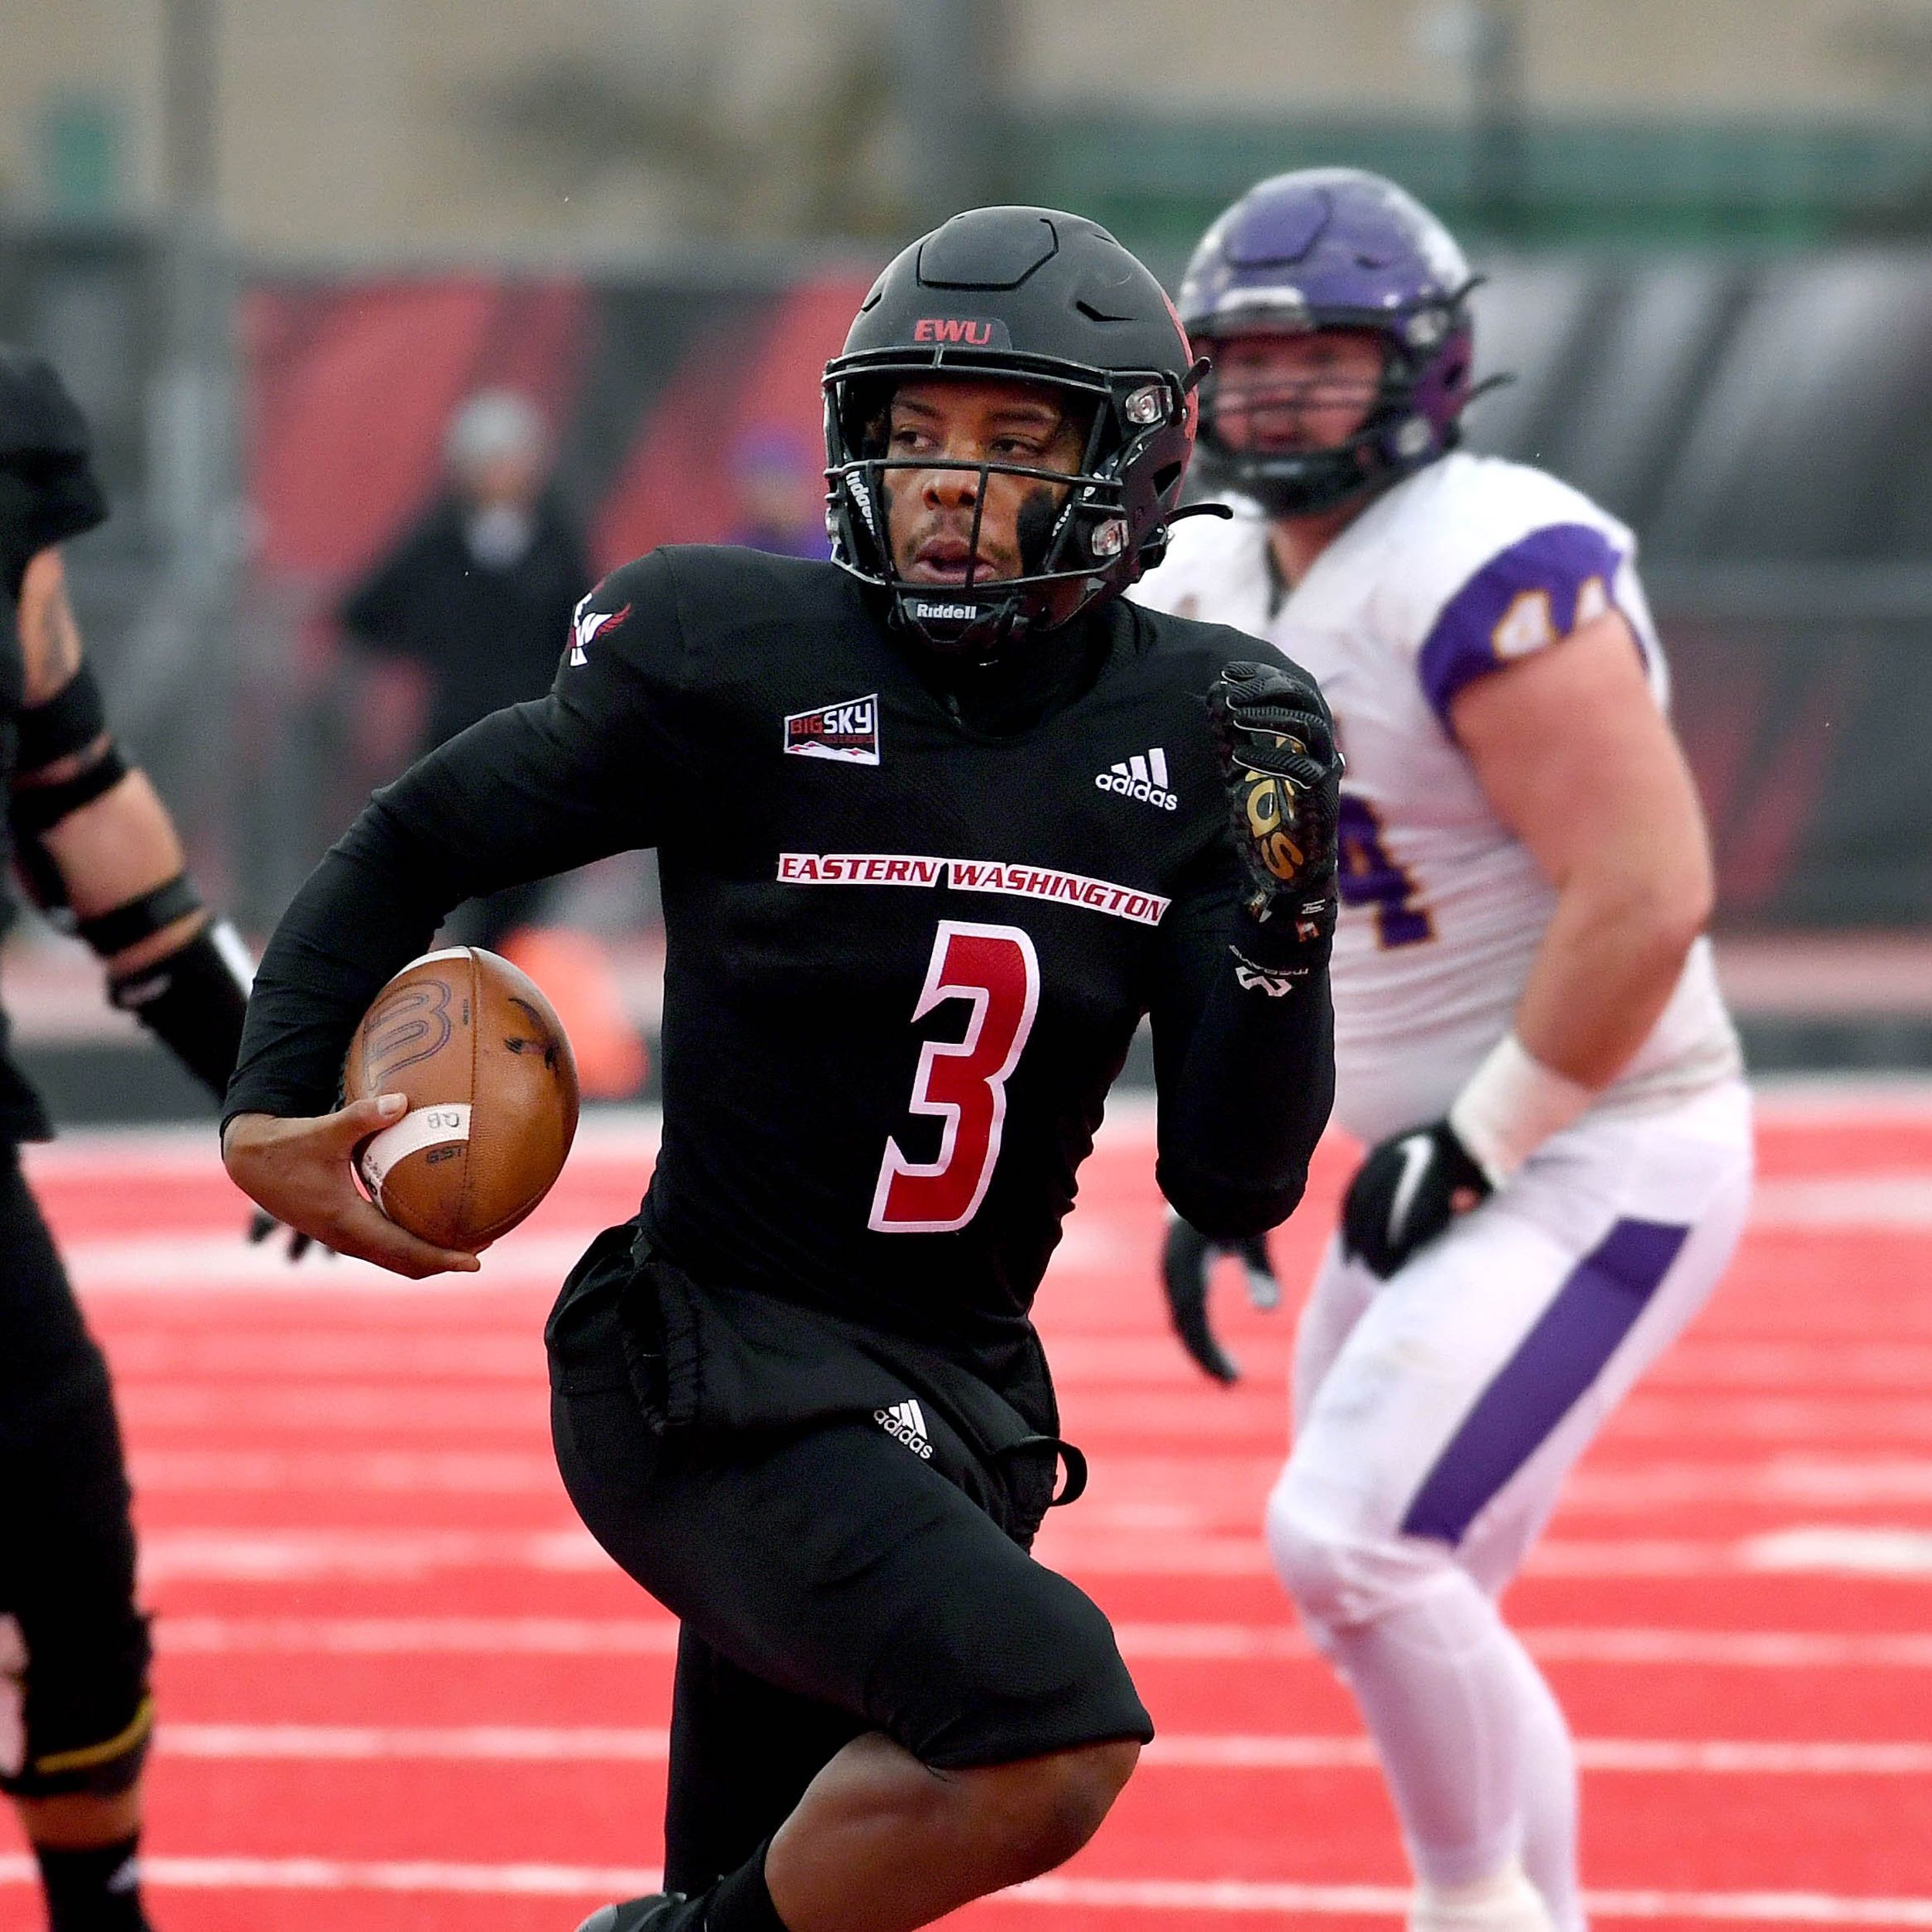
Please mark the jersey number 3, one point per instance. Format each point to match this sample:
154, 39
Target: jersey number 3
963, 1085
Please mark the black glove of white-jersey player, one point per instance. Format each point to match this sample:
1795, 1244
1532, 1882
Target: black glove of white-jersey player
1186, 1259
1408, 1190
1276, 741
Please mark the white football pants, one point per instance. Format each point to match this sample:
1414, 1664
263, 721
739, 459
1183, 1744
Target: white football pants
1436, 1415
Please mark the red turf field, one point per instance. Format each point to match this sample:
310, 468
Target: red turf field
400, 1688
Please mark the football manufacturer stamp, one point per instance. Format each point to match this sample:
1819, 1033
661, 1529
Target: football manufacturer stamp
847, 732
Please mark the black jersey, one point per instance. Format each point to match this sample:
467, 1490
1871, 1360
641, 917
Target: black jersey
907, 952
48, 494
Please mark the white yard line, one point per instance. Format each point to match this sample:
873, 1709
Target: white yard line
586, 1744
1645, 1648
308, 1556
1650, 1757
1159, 1642
282, 1555
1610, 1490
416, 1637
1382, 1901
511, 1350
592, 1882
459, 1472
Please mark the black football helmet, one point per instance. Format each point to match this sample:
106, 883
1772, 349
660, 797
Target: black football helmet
1025, 294
1338, 248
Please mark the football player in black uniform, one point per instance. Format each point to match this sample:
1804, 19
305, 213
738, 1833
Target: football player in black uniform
938, 823
96, 847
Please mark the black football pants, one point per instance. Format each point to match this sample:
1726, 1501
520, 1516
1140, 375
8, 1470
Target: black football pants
830, 1582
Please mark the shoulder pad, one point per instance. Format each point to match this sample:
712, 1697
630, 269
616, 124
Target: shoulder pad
37, 417
1457, 518
48, 491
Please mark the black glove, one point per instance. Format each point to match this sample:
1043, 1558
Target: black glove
1283, 777
1408, 1190
1184, 1261
262, 1225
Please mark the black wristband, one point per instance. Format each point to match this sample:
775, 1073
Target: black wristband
193, 1001
128, 924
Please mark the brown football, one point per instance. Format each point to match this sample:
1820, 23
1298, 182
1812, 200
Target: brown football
492, 1089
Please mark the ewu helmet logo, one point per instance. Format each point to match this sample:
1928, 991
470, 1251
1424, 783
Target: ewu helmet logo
847, 732
968, 332
586, 623
1144, 777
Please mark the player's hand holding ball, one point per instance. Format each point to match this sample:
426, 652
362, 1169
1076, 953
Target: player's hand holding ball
460, 1102
1276, 741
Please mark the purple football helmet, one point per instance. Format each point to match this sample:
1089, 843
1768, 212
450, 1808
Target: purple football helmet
1336, 248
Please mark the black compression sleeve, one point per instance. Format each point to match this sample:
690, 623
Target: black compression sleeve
1246, 1074
192, 1003
518, 796
1253, 1097
368, 909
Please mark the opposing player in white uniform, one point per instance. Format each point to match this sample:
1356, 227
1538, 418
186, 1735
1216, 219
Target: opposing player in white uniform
1529, 1037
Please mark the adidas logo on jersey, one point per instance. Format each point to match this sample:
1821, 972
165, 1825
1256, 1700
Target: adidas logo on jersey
1140, 777
906, 1422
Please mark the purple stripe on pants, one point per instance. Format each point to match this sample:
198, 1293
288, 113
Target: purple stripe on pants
1555, 1363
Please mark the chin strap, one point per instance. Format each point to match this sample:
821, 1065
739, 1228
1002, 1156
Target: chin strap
980, 637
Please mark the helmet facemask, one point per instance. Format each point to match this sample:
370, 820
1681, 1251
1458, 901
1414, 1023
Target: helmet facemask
1081, 535
1426, 357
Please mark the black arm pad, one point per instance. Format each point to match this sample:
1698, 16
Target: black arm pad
34, 809
134, 919
69, 722
193, 1001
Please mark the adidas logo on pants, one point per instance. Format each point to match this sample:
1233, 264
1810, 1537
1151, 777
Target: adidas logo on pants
905, 1422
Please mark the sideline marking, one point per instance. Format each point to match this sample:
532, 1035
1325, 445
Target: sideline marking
1160, 1894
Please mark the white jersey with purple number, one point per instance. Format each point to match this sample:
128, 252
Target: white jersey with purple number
1470, 563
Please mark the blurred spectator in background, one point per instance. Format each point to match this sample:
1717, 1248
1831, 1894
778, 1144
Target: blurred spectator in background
780, 484
478, 594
